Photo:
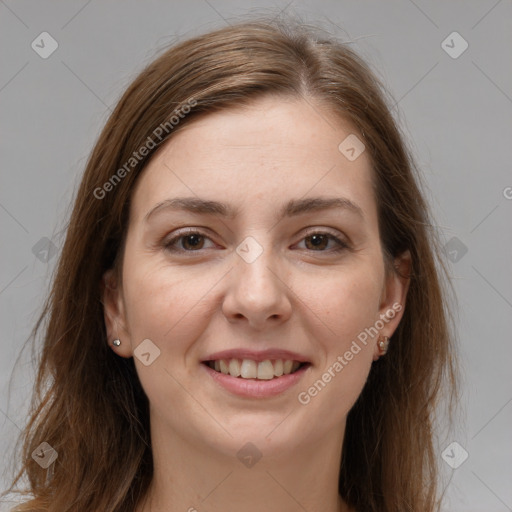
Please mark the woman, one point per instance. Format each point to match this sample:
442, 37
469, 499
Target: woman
247, 312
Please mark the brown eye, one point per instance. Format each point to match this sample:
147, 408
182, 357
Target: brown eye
191, 242
317, 242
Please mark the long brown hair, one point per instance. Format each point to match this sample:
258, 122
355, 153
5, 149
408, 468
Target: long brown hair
88, 403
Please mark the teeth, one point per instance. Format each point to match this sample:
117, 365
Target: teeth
249, 369
224, 368
234, 368
265, 370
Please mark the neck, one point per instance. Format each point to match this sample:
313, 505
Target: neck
194, 477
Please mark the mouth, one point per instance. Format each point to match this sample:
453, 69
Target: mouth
256, 373
249, 369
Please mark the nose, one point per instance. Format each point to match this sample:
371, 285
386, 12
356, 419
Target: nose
258, 292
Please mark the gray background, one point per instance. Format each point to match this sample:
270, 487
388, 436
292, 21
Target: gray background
455, 111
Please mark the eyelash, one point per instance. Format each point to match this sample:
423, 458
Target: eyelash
168, 244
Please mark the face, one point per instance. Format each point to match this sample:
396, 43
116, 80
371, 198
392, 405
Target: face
253, 247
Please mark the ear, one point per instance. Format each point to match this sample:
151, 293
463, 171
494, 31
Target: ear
114, 314
393, 297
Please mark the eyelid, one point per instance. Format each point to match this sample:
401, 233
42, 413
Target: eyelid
325, 231
180, 233
335, 235
339, 238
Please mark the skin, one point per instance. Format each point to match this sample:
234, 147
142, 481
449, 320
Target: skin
293, 296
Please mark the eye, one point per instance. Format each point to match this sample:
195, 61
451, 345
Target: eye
319, 241
192, 240
189, 241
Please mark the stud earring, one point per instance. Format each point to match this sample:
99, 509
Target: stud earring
383, 345
116, 342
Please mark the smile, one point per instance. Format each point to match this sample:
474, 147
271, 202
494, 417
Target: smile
249, 369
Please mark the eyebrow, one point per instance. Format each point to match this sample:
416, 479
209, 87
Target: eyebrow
292, 208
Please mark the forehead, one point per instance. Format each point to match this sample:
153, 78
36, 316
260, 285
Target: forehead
272, 150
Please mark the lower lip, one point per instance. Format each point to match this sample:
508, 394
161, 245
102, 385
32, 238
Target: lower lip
253, 388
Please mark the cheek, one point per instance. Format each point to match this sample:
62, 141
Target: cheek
346, 305
170, 310
346, 301
166, 305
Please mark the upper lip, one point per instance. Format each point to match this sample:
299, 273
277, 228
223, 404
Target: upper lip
254, 355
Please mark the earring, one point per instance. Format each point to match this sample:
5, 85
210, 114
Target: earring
116, 342
383, 345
